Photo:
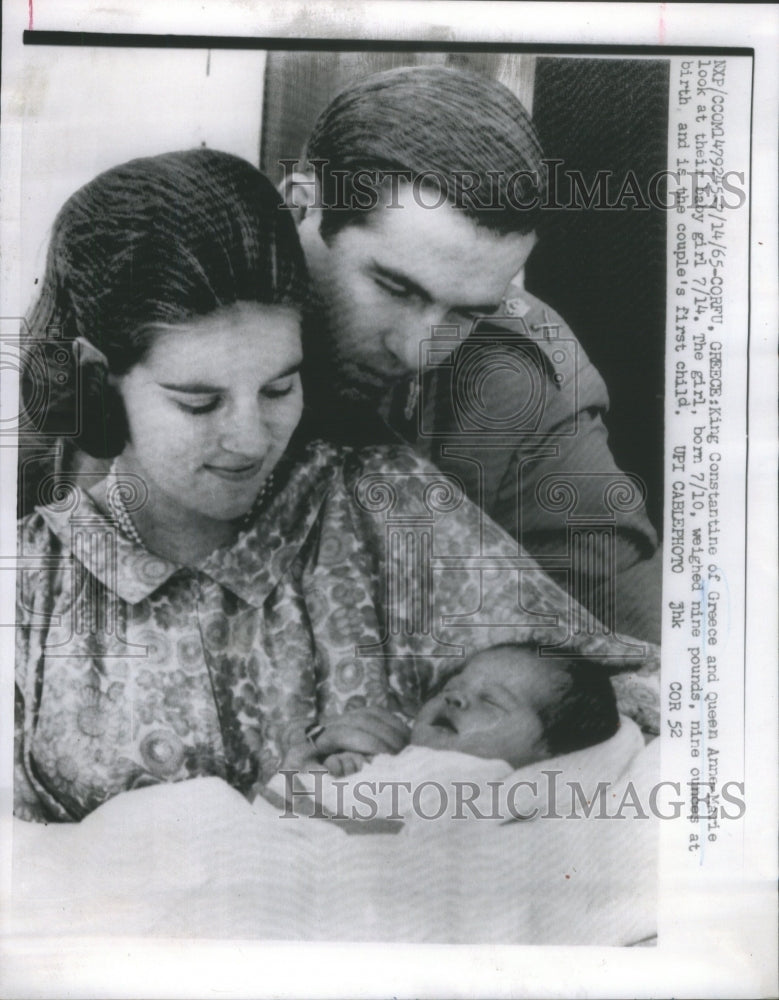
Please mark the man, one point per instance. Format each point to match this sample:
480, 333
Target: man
417, 211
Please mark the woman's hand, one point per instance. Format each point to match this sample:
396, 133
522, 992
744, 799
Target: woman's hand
366, 731
343, 742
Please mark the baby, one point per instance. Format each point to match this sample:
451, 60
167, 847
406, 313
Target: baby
507, 708
509, 704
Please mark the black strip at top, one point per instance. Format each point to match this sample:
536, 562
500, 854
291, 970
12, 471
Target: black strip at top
148, 41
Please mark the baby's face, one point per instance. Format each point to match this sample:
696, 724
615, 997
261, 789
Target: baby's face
490, 709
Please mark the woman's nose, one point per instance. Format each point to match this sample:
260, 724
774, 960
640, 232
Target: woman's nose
246, 434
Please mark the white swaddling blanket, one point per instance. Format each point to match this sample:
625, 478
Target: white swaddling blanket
422, 785
195, 859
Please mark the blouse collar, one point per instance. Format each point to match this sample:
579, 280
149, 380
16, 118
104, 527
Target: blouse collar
250, 567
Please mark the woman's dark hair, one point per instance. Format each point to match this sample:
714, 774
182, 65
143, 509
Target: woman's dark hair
158, 240
469, 131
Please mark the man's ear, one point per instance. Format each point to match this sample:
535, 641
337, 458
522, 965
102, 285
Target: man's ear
88, 354
301, 194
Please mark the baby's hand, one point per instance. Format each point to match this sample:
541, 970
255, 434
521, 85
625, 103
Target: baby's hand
341, 765
305, 757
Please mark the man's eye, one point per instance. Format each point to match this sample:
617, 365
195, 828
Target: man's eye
198, 408
473, 314
393, 288
278, 389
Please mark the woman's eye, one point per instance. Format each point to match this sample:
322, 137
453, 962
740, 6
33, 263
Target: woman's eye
198, 408
277, 390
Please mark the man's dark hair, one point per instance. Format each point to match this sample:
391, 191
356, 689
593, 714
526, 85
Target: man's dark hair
452, 126
584, 712
159, 240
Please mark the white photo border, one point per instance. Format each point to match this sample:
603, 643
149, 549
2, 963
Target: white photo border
740, 961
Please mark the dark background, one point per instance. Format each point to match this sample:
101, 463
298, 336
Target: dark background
603, 271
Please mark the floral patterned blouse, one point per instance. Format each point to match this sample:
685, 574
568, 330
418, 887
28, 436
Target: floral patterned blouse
364, 581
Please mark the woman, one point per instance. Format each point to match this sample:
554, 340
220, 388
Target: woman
225, 586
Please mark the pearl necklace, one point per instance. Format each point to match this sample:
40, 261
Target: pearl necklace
251, 513
116, 505
121, 515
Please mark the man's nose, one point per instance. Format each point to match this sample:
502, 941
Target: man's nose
405, 342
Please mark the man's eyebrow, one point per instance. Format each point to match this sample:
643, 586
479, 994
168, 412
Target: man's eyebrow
402, 279
205, 389
482, 309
